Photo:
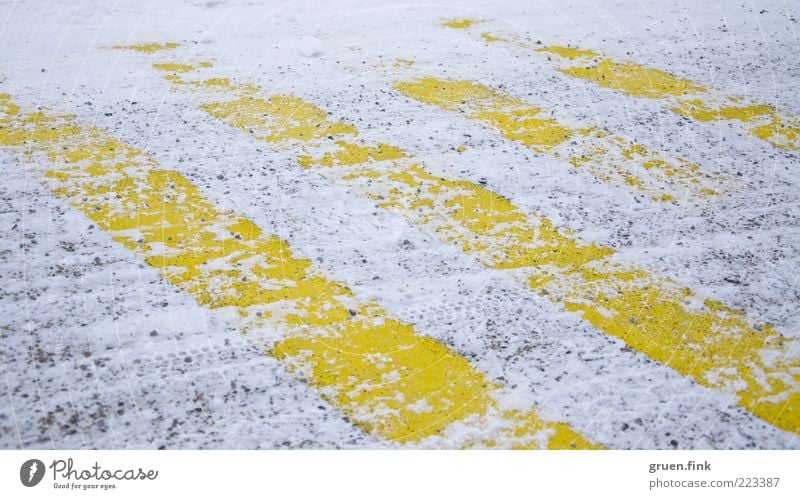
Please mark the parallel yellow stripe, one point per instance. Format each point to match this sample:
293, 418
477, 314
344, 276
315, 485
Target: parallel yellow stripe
383, 375
713, 344
680, 95
610, 158
148, 48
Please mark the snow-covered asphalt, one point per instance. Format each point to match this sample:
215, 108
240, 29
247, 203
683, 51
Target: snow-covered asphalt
357, 224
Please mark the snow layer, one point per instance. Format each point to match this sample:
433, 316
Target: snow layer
98, 352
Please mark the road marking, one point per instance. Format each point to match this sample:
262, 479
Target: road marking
610, 158
459, 23
680, 95
703, 339
148, 48
387, 378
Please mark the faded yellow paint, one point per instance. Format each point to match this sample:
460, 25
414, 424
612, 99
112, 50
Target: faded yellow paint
764, 121
609, 158
7, 107
459, 23
679, 95
715, 345
568, 52
402, 63
699, 110
381, 373
282, 117
558, 435
148, 48
175, 67
491, 39
634, 79
348, 153
515, 119
693, 100
382, 368
703, 339
211, 84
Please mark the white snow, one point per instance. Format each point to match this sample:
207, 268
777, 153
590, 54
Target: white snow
310, 46
58, 302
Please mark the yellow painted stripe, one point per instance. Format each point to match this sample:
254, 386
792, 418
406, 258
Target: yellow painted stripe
713, 344
149, 48
610, 158
680, 95
383, 375
459, 23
